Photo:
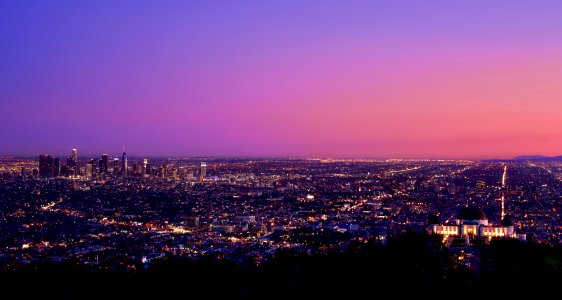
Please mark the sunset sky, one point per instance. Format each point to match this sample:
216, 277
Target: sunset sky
343, 79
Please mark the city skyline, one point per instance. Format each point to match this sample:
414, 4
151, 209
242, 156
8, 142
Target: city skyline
370, 79
139, 156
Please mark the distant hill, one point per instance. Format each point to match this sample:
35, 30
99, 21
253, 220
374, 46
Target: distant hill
539, 158
529, 157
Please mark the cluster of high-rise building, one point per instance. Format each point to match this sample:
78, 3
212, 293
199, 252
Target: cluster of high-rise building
50, 166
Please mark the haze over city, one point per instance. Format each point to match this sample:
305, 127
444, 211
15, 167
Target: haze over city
375, 79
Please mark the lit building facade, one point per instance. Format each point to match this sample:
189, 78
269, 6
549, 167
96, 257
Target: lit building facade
472, 222
46, 166
116, 165
203, 171
104, 163
124, 167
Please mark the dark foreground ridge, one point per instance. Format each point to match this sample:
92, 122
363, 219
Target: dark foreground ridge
411, 264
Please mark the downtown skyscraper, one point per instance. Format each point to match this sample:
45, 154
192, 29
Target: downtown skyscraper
46, 166
203, 171
124, 170
72, 162
103, 163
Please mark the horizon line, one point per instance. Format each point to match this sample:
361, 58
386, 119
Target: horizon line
270, 157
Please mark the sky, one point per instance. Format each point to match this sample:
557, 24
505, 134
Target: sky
344, 79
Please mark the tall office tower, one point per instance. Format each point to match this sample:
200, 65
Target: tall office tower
148, 169
182, 172
124, 170
144, 167
203, 171
69, 162
51, 166
116, 166
75, 155
89, 170
23, 172
45, 166
103, 163
75, 161
190, 176
56, 167
69, 166
94, 164
64, 170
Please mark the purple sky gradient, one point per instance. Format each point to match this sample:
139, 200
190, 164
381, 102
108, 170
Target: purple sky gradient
379, 79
